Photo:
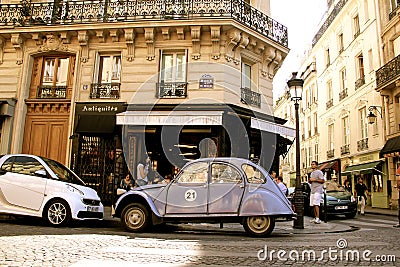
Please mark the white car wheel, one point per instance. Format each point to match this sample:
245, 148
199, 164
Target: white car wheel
259, 225
135, 217
57, 213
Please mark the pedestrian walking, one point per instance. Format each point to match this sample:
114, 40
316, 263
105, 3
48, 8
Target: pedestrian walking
361, 192
317, 181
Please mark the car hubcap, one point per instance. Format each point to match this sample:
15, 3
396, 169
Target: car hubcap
258, 224
57, 213
135, 218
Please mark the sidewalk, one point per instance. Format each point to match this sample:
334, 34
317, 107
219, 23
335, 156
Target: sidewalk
379, 211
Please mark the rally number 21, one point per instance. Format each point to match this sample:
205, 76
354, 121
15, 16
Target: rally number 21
190, 195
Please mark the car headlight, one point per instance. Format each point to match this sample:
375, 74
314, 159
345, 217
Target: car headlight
74, 189
352, 199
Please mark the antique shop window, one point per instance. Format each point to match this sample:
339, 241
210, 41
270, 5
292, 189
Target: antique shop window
172, 81
107, 77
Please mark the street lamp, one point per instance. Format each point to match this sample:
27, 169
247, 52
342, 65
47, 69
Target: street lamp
371, 116
295, 88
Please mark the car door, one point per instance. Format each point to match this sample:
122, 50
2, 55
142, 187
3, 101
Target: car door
19, 185
226, 189
188, 193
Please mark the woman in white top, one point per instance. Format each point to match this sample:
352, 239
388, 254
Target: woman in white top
142, 170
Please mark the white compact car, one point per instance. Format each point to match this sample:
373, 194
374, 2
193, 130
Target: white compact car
36, 186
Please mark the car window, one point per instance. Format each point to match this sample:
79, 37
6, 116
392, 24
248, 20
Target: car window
253, 175
223, 173
194, 173
22, 165
62, 172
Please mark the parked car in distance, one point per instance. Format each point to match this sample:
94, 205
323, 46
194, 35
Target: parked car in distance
36, 186
339, 201
214, 190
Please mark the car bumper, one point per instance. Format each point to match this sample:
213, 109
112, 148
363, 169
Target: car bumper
341, 209
81, 211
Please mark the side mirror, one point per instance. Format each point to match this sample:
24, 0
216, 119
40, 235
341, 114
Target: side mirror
41, 173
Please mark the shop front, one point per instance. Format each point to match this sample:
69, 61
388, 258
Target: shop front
174, 135
375, 180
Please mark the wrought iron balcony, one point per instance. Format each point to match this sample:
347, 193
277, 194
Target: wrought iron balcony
250, 97
330, 153
388, 72
362, 144
97, 11
328, 21
105, 90
360, 82
343, 94
48, 91
329, 104
344, 150
172, 90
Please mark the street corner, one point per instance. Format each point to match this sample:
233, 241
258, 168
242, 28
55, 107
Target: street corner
313, 228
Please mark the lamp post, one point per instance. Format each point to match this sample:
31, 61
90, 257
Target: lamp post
371, 116
295, 88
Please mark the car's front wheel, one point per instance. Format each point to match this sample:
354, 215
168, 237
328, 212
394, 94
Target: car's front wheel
135, 217
259, 225
57, 213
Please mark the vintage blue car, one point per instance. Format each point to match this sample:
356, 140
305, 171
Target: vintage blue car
214, 190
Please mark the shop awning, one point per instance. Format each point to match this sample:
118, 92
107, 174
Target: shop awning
326, 165
371, 166
95, 124
392, 145
272, 127
178, 117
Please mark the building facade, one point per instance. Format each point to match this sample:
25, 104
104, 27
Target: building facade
339, 94
388, 85
96, 84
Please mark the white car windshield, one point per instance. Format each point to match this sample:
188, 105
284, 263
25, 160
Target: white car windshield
63, 173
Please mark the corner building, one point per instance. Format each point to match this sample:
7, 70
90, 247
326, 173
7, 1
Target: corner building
94, 84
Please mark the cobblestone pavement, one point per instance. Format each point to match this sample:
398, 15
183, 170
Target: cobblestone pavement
29, 243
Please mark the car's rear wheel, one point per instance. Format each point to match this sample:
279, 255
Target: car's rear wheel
135, 217
259, 225
57, 213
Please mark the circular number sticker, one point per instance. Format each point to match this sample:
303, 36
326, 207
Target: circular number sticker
190, 195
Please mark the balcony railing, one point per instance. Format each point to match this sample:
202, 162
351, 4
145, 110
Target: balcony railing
343, 94
48, 91
329, 104
96, 11
362, 144
330, 153
360, 82
250, 97
388, 72
345, 150
105, 90
172, 90
328, 21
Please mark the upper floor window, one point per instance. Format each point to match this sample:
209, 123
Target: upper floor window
346, 130
109, 70
329, 90
55, 71
356, 26
172, 82
394, 4
327, 57
363, 122
340, 43
343, 79
360, 66
107, 77
246, 75
331, 137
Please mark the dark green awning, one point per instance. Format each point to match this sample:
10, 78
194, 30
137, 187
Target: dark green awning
365, 167
392, 145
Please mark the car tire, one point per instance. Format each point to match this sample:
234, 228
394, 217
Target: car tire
57, 213
350, 215
259, 225
135, 217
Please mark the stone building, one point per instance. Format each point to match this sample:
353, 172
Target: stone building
95, 84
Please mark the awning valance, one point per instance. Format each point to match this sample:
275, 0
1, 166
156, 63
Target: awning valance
272, 127
370, 166
392, 145
178, 117
96, 124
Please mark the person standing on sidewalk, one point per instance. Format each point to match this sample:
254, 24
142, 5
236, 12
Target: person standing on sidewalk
361, 192
317, 189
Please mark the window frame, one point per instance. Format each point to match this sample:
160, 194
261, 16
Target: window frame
98, 75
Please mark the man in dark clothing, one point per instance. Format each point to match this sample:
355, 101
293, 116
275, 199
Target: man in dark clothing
360, 192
